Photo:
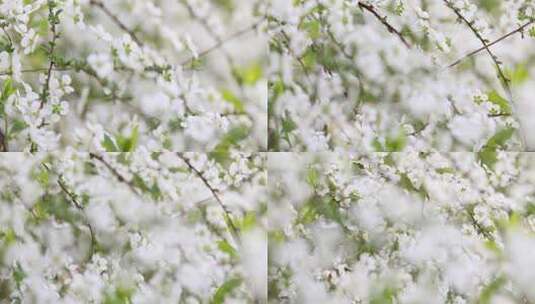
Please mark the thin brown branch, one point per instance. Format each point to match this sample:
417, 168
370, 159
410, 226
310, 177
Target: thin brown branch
499, 115
501, 75
114, 172
517, 30
370, 8
3, 140
73, 198
116, 20
55, 35
226, 40
482, 40
200, 175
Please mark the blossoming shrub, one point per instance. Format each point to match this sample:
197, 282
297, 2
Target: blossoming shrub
79, 227
392, 75
401, 228
114, 75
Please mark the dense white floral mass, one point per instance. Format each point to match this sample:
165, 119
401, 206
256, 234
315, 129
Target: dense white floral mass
77, 227
267, 151
392, 75
401, 228
114, 75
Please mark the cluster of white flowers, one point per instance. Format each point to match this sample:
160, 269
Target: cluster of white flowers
399, 75
401, 228
77, 227
69, 67
267, 151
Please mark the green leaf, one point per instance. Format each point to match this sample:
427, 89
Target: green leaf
490, 6
18, 274
109, 144
313, 28
120, 296
307, 214
224, 290
233, 100
312, 177
386, 296
325, 206
128, 144
17, 125
225, 247
406, 183
248, 75
396, 143
42, 177
277, 88
288, 125
488, 155
226, 4
8, 89
309, 60
9, 236
445, 170
247, 222
501, 137
221, 153
57, 206
490, 290
518, 75
498, 100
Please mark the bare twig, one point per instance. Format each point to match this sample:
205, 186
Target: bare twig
52, 17
114, 172
226, 40
73, 198
116, 20
517, 30
3, 141
200, 175
501, 75
370, 8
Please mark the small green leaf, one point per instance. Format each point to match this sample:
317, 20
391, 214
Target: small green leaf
128, 144
498, 100
109, 144
18, 274
312, 176
396, 143
313, 28
518, 75
490, 290
445, 170
221, 152
247, 222
120, 296
248, 75
224, 290
17, 125
307, 214
225, 247
233, 100
488, 155
8, 89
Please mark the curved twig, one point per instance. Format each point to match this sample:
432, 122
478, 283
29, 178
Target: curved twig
115, 173
200, 175
370, 8
472, 53
116, 20
73, 198
501, 75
